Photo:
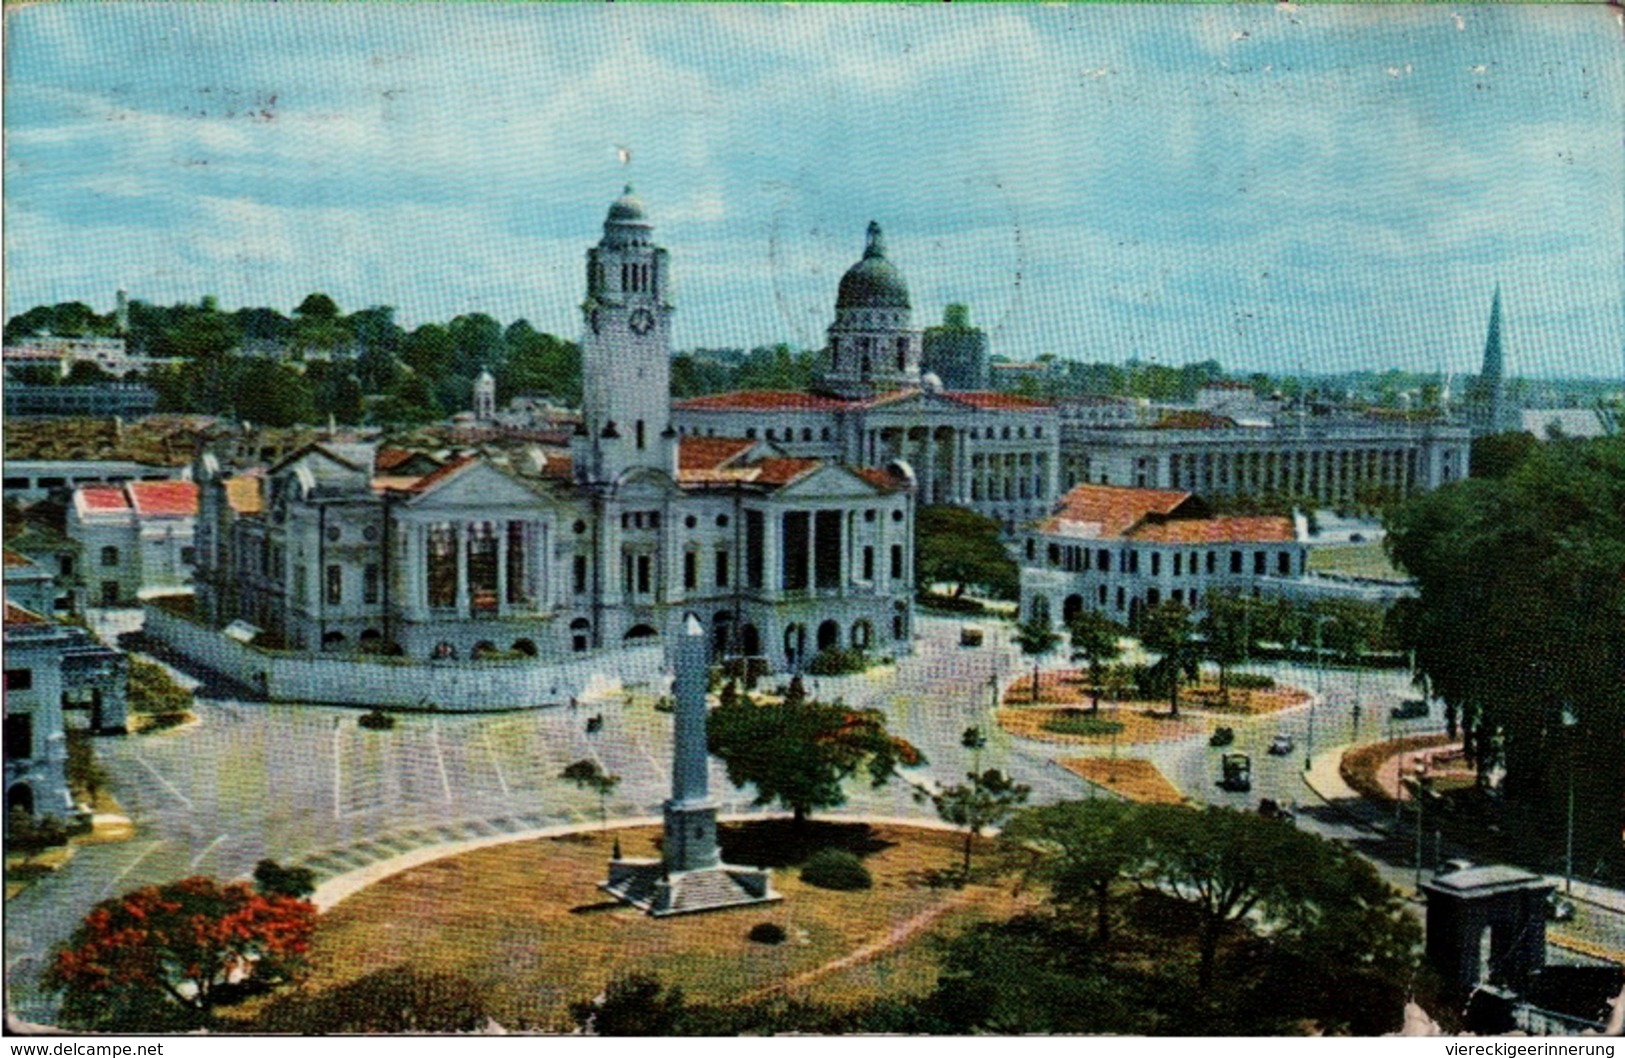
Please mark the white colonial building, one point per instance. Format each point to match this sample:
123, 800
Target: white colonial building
136, 539
565, 555
1120, 550
995, 453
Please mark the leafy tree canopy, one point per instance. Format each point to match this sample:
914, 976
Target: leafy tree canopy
800, 754
960, 546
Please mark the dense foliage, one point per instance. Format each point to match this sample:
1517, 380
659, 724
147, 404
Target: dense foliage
799, 753
1520, 624
162, 958
957, 546
836, 869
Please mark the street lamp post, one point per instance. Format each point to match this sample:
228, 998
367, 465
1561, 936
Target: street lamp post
1569, 723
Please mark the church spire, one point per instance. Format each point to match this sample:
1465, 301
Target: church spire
1494, 368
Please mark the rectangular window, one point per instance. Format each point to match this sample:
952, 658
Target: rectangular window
1103, 560
335, 585
1260, 560
579, 571
1179, 564
628, 574
109, 556
482, 565
868, 564
370, 581
1156, 563
645, 580
691, 570
19, 736
1283, 563
110, 593
796, 560
755, 559
897, 562
1133, 559
722, 569
1212, 561
1235, 562
827, 548
19, 679
517, 572
441, 547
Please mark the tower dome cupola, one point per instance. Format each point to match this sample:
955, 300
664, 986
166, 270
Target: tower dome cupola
874, 282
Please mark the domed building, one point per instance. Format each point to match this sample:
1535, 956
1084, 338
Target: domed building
875, 404
570, 566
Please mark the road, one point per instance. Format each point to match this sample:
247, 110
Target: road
307, 785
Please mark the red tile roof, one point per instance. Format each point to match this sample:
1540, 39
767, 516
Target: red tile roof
1109, 511
763, 400
989, 401
560, 464
1193, 420
390, 458
16, 615
1162, 516
440, 474
16, 561
101, 499
880, 478
710, 453
781, 470
1224, 529
164, 499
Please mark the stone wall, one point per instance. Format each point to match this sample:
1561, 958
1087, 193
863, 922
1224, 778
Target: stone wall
458, 685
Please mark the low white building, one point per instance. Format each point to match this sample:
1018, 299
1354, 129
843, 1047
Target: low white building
1120, 550
137, 539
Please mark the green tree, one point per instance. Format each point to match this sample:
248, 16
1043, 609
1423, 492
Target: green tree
1165, 629
1519, 617
587, 775
399, 999
317, 306
1082, 849
962, 547
1094, 638
162, 958
634, 1005
273, 879
800, 754
1228, 636
1495, 455
1234, 867
985, 800
1036, 638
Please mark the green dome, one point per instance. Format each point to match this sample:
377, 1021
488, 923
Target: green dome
874, 282
628, 209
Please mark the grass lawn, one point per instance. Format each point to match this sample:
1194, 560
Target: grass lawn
1357, 560
1078, 722
528, 926
1071, 725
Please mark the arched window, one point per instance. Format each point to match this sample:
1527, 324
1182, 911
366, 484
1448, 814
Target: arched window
829, 635
637, 632
862, 635
526, 647
580, 635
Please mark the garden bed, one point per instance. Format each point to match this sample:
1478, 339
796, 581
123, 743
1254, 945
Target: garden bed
1071, 725
1136, 779
1071, 687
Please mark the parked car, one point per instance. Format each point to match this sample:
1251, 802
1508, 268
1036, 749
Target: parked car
970, 635
1222, 736
1410, 709
1270, 808
1237, 772
1281, 745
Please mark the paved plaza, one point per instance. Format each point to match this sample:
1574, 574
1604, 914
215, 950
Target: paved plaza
307, 785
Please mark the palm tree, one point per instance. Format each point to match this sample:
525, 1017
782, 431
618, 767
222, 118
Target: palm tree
1166, 630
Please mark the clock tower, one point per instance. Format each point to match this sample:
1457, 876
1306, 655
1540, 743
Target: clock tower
626, 352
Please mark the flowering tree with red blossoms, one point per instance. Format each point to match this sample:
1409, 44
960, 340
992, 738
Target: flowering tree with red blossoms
164, 957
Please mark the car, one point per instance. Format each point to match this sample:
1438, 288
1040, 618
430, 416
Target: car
1270, 808
1222, 736
1281, 745
1410, 709
1237, 772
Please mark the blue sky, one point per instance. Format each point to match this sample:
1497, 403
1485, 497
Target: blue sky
1277, 187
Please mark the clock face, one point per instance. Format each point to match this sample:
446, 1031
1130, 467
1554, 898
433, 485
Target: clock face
642, 321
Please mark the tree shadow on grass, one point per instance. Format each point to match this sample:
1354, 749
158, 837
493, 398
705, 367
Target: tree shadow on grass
781, 843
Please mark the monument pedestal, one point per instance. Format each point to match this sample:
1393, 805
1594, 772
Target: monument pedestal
690, 875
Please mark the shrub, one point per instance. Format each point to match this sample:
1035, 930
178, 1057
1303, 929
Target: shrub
837, 662
767, 933
1251, 681
1077, 722
153, 690
949, 603
273, 879
377, 720
25, 833
836, 869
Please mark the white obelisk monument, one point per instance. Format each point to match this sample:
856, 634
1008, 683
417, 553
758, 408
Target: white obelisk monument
690, 874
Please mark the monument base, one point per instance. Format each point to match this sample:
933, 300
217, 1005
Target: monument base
648, 885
